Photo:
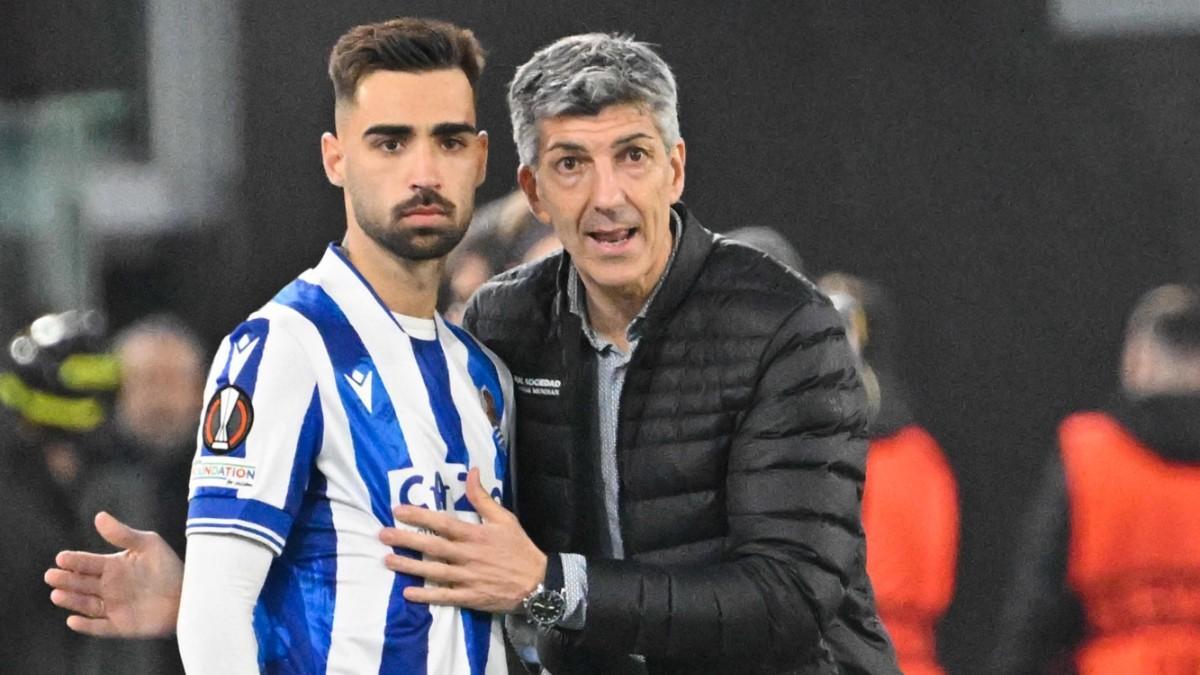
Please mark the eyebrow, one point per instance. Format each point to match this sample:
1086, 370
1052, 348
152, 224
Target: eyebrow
395, 130
406, 131
632, 137
575, 147
453, 129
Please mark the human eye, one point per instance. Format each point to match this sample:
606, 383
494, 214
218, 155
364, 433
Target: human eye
390, 145
453, 143
567, 164
635, 154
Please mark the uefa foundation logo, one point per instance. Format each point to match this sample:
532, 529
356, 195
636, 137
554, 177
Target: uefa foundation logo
227, 420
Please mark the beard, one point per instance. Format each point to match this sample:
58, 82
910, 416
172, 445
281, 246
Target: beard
424, 242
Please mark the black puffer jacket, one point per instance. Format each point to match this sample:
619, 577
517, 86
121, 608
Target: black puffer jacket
741, 462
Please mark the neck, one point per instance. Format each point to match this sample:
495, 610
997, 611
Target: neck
610, 311
407, 287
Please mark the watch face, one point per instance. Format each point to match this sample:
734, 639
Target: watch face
547, 607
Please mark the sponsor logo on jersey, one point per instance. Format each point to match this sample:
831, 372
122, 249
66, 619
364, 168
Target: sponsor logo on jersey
227, 420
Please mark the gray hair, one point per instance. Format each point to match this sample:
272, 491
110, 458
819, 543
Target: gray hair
582, 75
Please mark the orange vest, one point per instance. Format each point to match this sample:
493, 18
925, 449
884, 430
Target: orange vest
910, 513
1134, 556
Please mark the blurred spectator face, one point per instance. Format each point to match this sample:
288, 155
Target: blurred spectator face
606, 183
1150, 368
162, 383
542, 248
470, 271
408, 156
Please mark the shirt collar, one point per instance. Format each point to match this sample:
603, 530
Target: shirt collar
576, 295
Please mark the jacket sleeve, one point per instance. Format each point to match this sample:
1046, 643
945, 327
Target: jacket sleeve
792, 500
1040, 617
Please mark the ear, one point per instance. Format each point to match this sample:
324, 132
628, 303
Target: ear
527, 179
481, 168
678, 161
332, 158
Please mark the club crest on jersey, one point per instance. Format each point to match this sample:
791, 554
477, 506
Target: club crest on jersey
227, 420
489, 406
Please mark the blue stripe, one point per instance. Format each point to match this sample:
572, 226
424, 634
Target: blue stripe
253, 329
483, 372
312, 434
436, 374
293, 620
379, 448
247, 510
485, 375
247, 381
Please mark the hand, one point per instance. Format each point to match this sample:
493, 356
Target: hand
131, 594
489, 566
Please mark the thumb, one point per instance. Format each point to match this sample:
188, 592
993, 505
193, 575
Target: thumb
485, 506
117, 533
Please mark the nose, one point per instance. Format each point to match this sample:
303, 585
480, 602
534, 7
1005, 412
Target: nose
426, 174
608, 195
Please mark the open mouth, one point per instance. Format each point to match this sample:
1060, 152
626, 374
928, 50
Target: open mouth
613, 237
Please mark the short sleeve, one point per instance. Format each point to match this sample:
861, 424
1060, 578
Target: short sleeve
260, 432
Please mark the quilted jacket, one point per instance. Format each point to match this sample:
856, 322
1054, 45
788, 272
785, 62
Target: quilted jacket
740, 453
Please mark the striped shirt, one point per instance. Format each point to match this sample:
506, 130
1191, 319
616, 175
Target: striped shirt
323, 413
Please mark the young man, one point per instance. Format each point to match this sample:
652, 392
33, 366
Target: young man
346, 395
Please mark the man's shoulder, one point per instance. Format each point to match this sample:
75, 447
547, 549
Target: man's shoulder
517, 295
746, 280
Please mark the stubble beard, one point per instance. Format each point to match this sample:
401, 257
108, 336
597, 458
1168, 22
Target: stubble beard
417, 244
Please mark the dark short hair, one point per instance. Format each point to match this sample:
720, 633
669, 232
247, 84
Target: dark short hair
404, 44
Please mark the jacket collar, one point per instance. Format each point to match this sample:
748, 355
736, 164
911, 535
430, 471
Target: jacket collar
691, 252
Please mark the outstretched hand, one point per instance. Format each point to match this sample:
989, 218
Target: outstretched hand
489, 566
130, 594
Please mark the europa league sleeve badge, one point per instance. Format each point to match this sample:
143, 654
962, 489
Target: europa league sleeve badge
227, 420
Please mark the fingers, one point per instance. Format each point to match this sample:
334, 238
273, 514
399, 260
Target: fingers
117, 533
81, 562
95, 627
75, 583
431, 545
88, 605
433, 595
485, 506
434, 521
430, 570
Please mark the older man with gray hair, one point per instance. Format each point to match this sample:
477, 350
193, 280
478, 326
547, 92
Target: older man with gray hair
691, 444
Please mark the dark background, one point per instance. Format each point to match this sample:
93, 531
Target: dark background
1016, 190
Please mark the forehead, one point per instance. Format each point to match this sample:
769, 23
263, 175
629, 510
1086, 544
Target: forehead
611, 124
412, 99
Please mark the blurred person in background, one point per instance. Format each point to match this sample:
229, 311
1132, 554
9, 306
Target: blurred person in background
769, 241
1108, 571
910, 503
57, 465
162, 385
503, 234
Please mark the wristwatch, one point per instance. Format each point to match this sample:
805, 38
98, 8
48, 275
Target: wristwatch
547, 604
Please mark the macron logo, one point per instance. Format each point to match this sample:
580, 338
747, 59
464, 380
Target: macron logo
360, 382
242, 350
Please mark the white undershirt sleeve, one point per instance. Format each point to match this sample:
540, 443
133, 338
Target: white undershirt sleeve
222, 578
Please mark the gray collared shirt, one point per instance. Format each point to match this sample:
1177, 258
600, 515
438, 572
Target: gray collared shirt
611, 367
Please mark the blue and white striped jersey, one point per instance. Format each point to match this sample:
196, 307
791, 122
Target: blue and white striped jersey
322, 414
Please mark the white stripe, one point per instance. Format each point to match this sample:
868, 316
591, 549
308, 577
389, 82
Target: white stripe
269, 543
222, 522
